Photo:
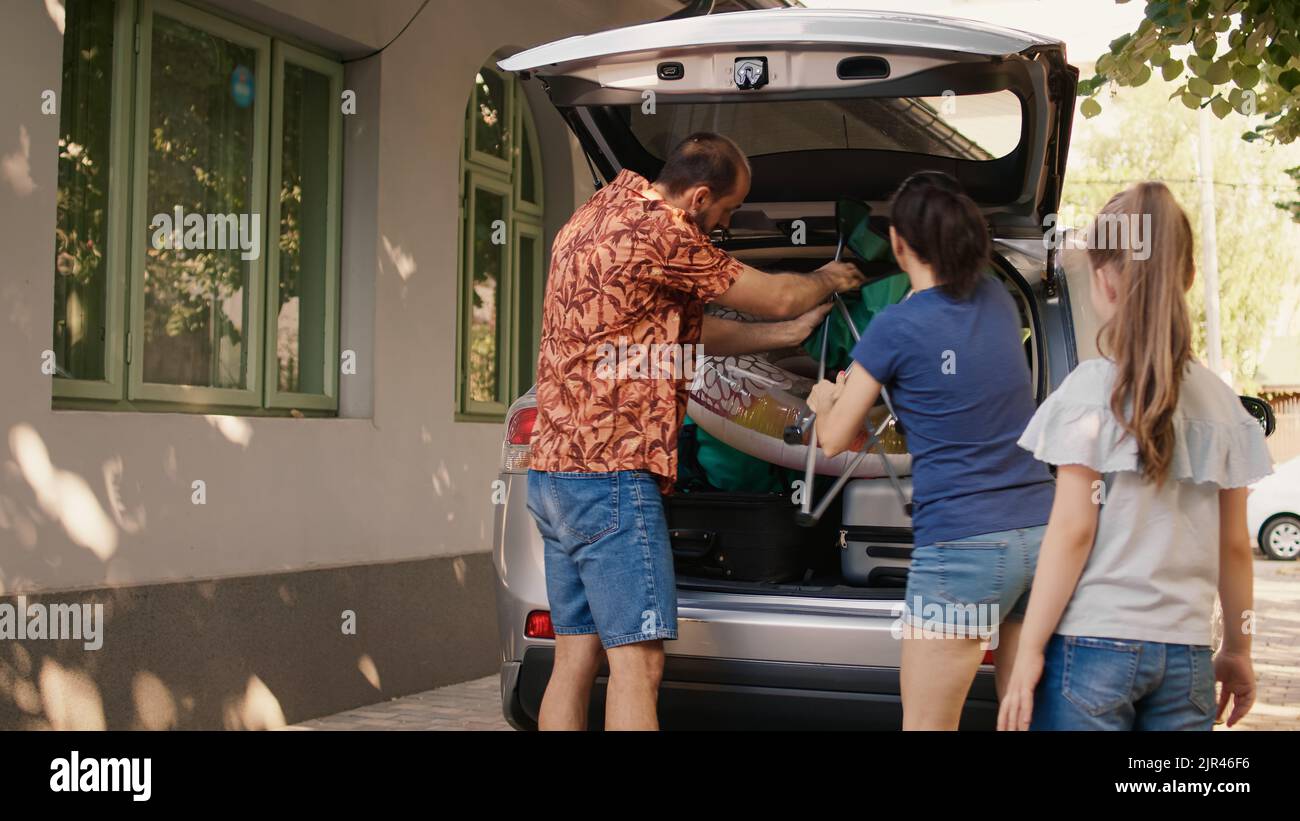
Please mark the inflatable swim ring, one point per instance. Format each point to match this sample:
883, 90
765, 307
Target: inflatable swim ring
747, 402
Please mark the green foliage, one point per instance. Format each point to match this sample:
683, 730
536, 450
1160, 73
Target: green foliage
1292, 207
1238, 56
1141, 136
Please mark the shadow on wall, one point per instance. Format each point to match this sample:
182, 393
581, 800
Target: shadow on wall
242, 652
255, 652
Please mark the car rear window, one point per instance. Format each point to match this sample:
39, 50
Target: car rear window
967, 127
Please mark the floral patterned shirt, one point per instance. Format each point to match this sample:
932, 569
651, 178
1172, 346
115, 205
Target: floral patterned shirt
621, 323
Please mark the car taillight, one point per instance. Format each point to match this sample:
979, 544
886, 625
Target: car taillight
516, 451
988, 657
520, 429
538, 625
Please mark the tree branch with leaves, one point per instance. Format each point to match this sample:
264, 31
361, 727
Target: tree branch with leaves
1239, 56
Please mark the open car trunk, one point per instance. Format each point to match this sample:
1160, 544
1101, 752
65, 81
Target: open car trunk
750, 543
826, 105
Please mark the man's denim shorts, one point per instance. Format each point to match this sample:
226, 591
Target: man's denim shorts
609, 561
969, 586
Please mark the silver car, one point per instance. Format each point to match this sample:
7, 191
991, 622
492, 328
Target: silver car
827, 104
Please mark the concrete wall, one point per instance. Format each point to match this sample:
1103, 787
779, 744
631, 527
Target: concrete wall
96, 501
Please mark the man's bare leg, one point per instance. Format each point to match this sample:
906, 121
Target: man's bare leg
568, 693
632, 699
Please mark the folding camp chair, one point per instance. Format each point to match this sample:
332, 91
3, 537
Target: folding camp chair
851, 223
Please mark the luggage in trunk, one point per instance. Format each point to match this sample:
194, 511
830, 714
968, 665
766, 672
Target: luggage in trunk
744, 537
876, 535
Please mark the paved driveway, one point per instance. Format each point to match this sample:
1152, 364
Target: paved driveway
476, 705
1276, 647
471, 705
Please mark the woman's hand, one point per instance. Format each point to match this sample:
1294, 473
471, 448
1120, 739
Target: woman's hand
1237, 675
823, 396
1017, 708
827, 393
839, 423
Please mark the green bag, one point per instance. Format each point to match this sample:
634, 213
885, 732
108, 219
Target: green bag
863, 306
853, 218
723, 467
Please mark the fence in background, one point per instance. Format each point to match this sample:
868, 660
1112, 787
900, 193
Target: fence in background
1284, 444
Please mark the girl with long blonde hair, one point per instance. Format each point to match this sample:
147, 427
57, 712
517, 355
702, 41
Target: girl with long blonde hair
1153, 454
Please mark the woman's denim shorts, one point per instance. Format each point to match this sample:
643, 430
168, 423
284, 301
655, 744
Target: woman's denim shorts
967, 587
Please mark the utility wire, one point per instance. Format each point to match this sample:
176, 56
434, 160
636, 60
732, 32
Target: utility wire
395, 36
1184, 182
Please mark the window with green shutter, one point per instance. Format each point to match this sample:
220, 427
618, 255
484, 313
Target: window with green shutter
501, 265
197, 246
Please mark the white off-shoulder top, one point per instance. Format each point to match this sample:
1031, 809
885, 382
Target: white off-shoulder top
1154, 567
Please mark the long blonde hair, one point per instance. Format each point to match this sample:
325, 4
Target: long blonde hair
1149, 338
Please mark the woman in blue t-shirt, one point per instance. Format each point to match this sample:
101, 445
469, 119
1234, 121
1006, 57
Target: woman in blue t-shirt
952, 358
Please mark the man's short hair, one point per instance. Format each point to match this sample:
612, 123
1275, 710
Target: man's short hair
703, 158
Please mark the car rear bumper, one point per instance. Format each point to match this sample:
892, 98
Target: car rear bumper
711, 693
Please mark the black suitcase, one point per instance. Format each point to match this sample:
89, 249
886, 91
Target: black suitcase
749, 537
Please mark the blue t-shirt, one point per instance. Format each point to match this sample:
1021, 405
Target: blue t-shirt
959, 381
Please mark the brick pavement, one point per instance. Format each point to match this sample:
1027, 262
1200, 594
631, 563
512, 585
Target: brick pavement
1276, 648
471, 705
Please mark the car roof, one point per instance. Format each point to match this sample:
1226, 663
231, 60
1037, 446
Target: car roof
875, 29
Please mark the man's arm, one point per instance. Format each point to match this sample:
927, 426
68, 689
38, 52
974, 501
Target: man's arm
786, 296
730, 337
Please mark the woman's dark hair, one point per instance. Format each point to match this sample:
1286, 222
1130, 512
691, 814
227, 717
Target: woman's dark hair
945, 228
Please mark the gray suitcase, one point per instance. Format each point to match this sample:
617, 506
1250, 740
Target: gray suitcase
876, 532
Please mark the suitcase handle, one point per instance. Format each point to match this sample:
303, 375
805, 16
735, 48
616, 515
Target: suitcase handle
691, 543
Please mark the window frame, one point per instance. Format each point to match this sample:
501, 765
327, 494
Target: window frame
532, 228
475, 179
282, 53
526, 129
123, 388
503, 164
523, 218
137, 388
112, 386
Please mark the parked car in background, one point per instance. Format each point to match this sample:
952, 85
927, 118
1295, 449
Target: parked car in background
1273, 512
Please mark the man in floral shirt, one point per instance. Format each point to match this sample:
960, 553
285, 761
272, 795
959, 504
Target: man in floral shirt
630, 273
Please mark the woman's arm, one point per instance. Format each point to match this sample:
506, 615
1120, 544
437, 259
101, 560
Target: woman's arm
1232, 664
1067, 543
842, 408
